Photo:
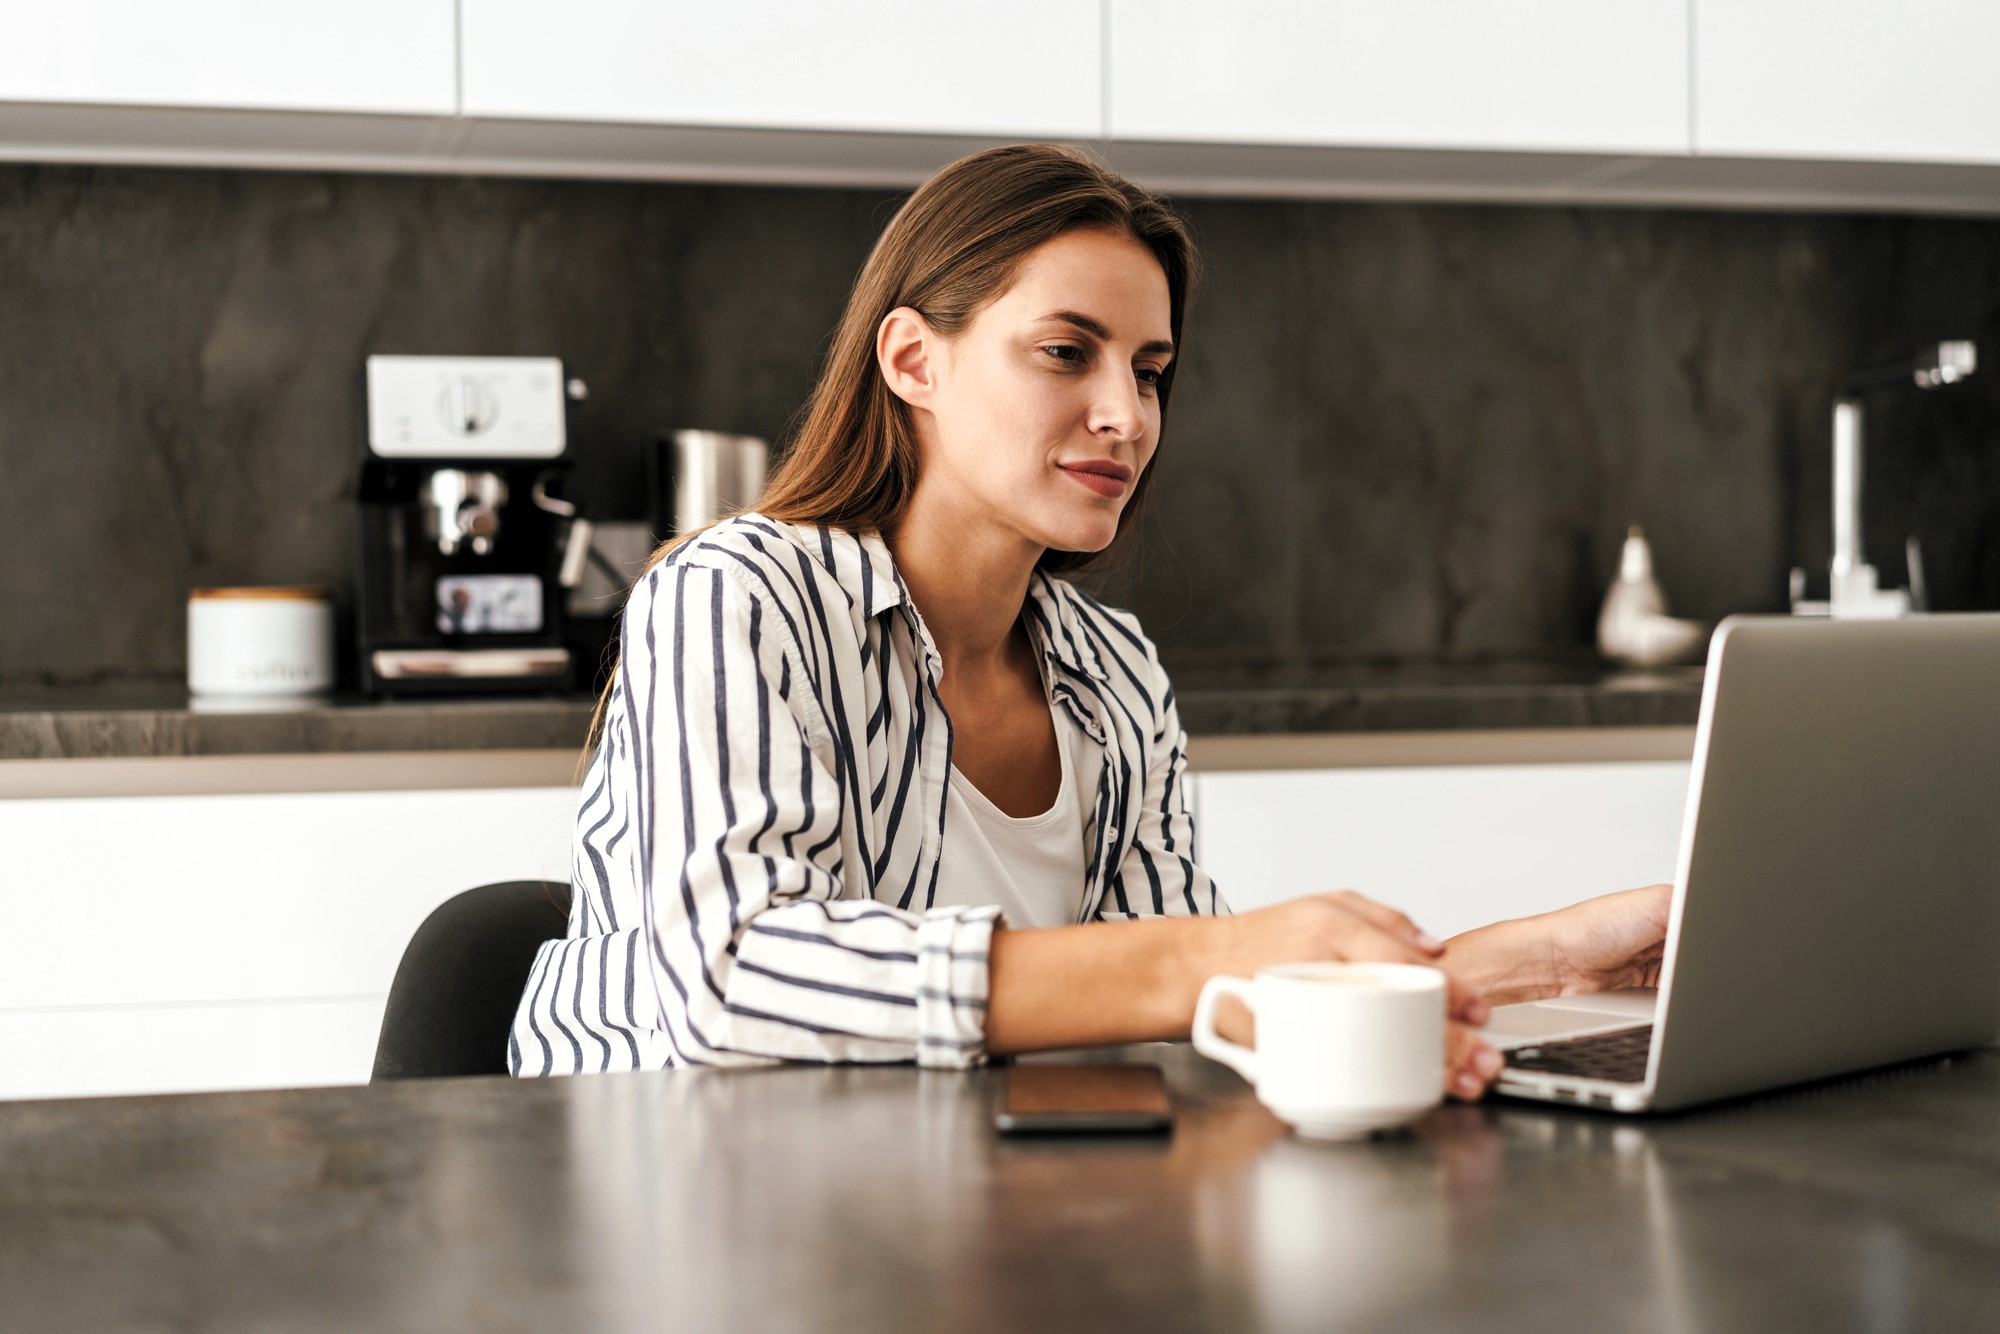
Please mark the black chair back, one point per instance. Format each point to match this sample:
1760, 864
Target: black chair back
461, 978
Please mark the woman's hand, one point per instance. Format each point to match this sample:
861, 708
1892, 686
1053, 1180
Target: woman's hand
1601, 944
1344, 926
1610, 942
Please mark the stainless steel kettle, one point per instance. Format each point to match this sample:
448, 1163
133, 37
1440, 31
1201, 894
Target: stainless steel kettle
714, 475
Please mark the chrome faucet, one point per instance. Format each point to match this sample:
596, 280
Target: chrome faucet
1853, 589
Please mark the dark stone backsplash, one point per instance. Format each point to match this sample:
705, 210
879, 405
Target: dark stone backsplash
1403, 432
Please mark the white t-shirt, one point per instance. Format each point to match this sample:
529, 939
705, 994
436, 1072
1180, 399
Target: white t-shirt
1031, 868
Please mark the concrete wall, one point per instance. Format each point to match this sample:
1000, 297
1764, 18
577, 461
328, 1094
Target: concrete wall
1402, 432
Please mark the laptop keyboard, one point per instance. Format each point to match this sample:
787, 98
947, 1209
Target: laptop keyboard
1619, 1057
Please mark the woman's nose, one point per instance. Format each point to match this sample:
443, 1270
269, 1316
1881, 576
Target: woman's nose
1116, 407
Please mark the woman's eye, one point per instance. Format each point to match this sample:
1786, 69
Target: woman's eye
1071, 355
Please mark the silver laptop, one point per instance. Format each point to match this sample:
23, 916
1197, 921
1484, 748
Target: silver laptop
1837, 905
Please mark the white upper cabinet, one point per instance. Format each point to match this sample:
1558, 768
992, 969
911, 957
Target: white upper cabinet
1556, 75
1031, 68
1865, 80
367, 56
1731, 103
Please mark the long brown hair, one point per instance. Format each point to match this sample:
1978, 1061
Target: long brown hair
953, 247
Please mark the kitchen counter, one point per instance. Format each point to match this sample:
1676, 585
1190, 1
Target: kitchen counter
130, 722
1433, 698
879, 1199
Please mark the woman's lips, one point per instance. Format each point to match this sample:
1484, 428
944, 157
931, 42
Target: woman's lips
1104, 484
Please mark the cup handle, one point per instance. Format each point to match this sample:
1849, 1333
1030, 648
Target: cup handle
1212, 1044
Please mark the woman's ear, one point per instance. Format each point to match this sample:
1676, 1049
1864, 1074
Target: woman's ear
906, 350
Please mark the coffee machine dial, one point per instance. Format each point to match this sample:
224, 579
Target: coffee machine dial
467, 407
480, 409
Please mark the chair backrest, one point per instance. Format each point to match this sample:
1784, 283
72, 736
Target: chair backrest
461, 978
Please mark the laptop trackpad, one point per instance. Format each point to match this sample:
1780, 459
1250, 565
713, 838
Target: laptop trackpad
1569, 1017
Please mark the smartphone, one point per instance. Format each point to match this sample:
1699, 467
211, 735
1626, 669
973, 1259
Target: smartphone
1083, 1100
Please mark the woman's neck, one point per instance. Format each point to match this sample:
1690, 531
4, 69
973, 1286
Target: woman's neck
968, 581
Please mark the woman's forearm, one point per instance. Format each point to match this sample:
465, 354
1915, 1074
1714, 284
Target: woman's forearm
1099, 983
1505, 962
1138, 981
1110, 982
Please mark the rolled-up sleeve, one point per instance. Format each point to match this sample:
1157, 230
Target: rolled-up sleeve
757, 953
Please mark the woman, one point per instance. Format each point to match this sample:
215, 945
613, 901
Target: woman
872, 782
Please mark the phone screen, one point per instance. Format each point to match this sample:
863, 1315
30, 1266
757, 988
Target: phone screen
1090, 1099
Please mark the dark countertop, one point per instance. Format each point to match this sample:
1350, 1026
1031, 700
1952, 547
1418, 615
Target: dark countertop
878, 1199
126, 721
1433, 698
135, 721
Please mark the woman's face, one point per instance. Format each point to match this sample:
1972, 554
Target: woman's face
1041, 414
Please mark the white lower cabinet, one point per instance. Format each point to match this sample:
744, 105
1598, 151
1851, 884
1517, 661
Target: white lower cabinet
163, 944
57, 1053
1454, 847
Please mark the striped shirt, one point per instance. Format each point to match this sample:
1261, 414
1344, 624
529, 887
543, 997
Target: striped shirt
761, 826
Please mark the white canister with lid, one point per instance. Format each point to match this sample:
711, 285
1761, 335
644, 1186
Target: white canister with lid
259, 643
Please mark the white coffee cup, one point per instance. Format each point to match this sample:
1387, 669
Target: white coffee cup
1343, 1049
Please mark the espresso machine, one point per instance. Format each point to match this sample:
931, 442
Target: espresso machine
466, 547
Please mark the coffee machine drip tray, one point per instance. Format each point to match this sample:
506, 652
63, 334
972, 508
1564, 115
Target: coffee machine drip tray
415, 664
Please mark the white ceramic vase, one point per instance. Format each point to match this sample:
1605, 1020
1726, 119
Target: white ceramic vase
1634, 627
